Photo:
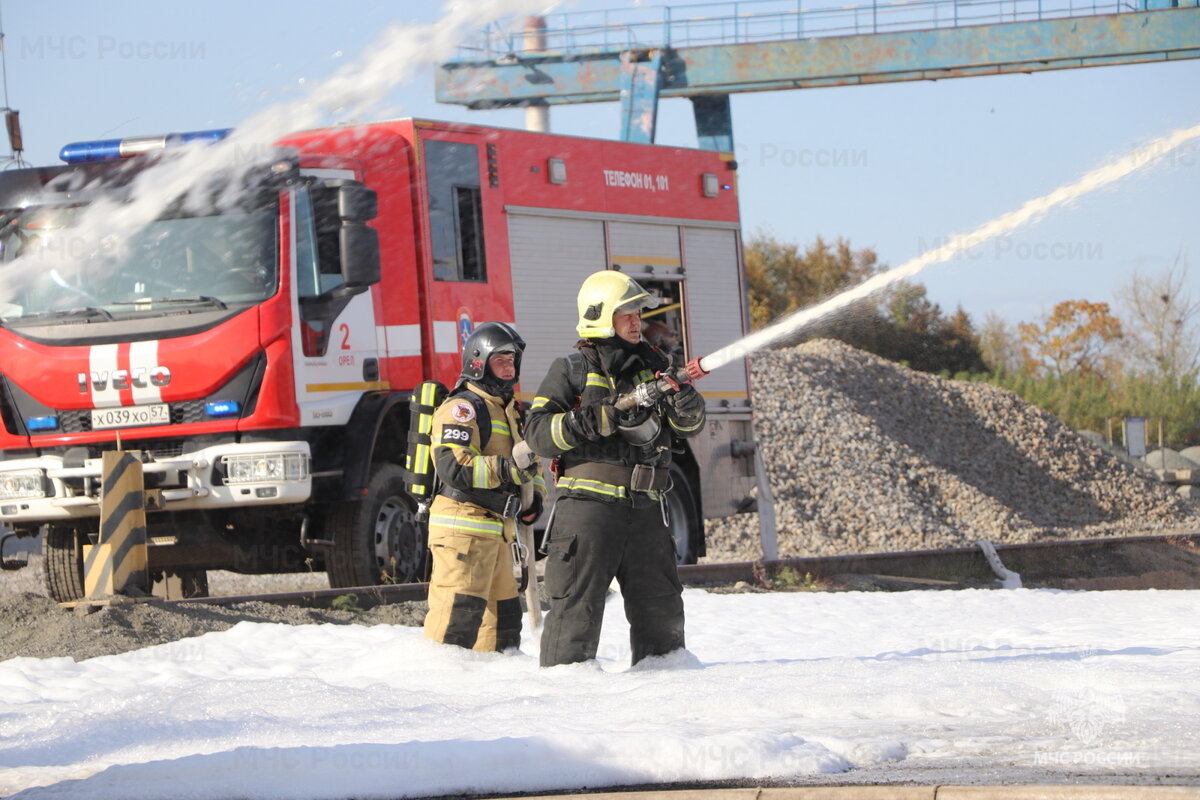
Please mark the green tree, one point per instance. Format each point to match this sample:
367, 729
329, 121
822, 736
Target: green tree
781, 279
921, 335
1087, 401
901, 323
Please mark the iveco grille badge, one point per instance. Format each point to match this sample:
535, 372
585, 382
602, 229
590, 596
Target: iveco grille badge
124, 379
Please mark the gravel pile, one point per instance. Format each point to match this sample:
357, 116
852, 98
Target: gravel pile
864, 455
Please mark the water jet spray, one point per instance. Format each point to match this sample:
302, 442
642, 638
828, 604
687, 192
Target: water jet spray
669, 381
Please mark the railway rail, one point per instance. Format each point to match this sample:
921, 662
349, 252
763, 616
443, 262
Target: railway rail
1068, 558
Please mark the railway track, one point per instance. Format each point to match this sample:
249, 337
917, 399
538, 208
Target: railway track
1070, 558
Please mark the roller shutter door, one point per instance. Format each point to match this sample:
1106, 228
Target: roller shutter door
715, 306
636, 246
550, 257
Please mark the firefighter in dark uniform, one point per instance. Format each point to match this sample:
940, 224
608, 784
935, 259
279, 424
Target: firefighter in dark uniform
473, 600
610, 519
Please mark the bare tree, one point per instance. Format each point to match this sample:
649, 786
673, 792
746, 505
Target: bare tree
1000, 345
1162, 321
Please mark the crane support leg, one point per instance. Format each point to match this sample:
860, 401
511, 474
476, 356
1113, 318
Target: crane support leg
714, 122
640, 79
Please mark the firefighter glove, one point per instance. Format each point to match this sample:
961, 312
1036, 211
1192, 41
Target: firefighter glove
522, 455
518, 474
595, 421
687, 403
530, 515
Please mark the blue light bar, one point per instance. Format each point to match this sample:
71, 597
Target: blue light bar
109, 149
222, 408
41, 424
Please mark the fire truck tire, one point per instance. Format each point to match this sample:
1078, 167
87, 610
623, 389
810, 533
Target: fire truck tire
377, 539
684, 512
64, 563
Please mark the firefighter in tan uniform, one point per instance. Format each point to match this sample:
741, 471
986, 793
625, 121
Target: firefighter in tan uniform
473, 593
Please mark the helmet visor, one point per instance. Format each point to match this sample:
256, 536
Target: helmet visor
635, 298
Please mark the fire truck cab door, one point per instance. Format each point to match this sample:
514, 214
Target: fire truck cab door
334, 339
463, 211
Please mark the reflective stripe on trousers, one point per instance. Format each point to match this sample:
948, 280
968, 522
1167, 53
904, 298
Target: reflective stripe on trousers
592, 543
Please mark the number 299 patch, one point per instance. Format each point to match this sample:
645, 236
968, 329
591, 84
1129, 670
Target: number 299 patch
456, 434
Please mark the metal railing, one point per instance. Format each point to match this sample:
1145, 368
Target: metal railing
748, 21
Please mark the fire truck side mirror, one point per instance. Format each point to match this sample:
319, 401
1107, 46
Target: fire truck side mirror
360, 254
358, 244
356, 202
348, 200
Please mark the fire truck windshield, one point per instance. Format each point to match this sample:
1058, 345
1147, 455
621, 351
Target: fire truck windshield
181, 259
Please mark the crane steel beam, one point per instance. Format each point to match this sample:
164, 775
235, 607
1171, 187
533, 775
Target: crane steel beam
996, 49
639, 95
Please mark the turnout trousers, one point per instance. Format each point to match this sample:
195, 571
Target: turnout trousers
592, 542
473, 599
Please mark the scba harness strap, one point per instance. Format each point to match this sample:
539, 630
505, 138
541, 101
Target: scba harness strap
503, 504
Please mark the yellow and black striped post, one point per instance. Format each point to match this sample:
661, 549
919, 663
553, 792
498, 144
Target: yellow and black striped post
117, 563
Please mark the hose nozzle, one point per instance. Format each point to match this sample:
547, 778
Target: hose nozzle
648, 393
694, 370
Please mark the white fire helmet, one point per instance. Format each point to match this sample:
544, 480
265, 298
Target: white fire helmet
604, 293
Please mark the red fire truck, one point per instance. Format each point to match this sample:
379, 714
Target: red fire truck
259, 353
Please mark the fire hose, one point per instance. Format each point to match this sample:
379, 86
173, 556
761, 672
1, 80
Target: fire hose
667, 382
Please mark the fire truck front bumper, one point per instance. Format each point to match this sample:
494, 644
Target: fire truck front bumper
48, 488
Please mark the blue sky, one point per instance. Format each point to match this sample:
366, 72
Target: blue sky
895, 167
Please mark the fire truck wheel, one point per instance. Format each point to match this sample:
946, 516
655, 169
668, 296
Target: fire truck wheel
378, 539
64, 563
686, 525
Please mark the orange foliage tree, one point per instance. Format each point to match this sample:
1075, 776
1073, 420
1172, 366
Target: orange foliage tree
1075, 337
